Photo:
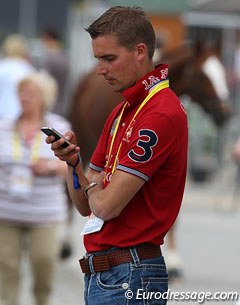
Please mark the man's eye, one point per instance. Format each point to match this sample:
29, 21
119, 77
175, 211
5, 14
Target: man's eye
110, 58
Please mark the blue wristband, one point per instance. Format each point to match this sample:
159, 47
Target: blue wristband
76, 184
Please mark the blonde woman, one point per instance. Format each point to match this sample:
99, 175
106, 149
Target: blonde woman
32, 191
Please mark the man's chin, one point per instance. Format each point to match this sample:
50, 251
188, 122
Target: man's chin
116, 88
120, 89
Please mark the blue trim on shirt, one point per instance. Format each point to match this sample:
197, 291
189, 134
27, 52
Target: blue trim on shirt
96, 168
132, 171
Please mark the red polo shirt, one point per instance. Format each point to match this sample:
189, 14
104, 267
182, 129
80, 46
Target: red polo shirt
154, 148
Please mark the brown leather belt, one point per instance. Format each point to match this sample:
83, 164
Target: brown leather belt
116, 257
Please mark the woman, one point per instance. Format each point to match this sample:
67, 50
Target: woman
32, 190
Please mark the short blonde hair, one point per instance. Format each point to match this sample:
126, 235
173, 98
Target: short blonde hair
15, 45
47, 86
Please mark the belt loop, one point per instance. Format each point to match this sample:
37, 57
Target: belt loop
135, 257
90, 262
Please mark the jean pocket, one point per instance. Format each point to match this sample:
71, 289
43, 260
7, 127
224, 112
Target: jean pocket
153, 289
117, 277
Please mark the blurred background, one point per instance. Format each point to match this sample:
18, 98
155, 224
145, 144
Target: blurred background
208, 229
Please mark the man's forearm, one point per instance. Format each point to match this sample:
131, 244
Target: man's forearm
77, 195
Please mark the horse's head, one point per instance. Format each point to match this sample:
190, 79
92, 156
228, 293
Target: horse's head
207, 85
198, 73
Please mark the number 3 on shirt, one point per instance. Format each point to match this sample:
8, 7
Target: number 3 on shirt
147, 140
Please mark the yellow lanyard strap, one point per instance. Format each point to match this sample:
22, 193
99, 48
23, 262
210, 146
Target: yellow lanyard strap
17, 151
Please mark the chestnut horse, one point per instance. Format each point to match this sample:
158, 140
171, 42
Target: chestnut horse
193, 71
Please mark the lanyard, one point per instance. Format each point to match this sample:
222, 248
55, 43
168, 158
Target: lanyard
162, 85
17, 151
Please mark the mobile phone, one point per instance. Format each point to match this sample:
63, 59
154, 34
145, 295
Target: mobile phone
50, 131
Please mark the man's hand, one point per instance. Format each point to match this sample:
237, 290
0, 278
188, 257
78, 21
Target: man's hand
98, 177
70, 153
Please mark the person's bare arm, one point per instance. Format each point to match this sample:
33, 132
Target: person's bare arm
49, 167
78, 196
108, 203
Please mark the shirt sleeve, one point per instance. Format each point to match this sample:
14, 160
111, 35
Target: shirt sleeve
146, 147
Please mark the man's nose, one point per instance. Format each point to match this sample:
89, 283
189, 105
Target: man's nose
101, 69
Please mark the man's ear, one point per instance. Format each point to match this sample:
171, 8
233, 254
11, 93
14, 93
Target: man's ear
142, 51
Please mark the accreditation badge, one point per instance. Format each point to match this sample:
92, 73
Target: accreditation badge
21, 181
94, 224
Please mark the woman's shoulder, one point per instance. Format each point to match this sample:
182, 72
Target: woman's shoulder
57, 121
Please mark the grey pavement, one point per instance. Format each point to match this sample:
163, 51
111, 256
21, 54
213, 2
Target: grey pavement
208, 242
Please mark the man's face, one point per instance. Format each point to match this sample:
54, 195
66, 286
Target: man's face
118, 65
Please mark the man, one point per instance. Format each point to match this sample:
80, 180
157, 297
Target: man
134, 187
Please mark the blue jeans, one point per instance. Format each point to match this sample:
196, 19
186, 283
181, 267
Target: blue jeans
135, 283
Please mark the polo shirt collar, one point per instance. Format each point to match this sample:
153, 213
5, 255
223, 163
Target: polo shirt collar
138, 92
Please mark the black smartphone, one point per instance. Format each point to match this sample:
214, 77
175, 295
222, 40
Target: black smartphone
50, 131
